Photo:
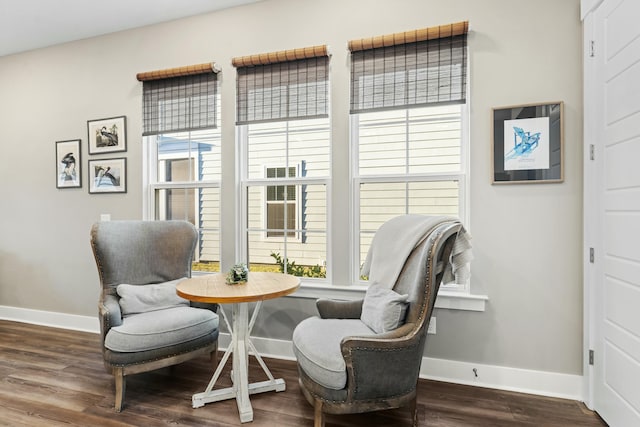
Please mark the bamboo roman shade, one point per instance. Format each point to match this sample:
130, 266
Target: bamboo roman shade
284, 85
410, 69
179, 99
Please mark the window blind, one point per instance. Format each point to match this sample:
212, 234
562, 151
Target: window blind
409, 69
284, 85
179, 99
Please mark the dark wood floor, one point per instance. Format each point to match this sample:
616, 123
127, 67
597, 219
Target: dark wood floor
55, 377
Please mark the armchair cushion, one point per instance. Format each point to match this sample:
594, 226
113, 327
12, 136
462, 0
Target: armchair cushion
316, 344
160, 328
142, 298
383, 309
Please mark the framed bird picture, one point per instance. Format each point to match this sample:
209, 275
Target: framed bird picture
68, 161
107, 135
108, 176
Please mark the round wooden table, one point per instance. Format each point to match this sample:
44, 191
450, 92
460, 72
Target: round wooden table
212, 288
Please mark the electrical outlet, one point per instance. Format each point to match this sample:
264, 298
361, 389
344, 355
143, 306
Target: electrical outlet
432, 326
105, 217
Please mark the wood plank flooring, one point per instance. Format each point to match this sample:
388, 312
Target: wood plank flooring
55, 377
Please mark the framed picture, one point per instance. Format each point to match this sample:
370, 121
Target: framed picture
528, 143
68, 161
108, 175
107, 135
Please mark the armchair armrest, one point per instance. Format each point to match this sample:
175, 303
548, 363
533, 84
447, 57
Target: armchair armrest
336, 309
109, 312
402, 352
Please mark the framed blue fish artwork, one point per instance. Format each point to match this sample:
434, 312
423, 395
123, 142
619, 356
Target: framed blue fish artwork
528, 143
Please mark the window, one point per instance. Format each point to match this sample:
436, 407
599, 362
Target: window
408, 121
182, 144
178, 203
281, 203
284, 151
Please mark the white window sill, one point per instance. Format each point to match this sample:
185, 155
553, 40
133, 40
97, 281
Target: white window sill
446, 299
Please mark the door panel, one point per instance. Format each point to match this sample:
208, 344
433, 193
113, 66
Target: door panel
622, 169
626, 271
623, 90
621, 236
622, 311
623, 376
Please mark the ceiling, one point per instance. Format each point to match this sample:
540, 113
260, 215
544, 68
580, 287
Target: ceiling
32, 24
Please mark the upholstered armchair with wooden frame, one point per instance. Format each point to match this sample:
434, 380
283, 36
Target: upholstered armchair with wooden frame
345, 367
144, 325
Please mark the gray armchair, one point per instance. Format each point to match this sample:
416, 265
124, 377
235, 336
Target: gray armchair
347, 367
144, 325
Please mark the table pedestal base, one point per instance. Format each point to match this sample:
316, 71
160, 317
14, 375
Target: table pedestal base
246, 412
239, 347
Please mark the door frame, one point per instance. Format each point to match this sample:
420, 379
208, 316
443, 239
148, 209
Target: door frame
591, 226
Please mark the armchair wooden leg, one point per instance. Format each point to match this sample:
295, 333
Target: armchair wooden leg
318, 416
413, 407
121, 384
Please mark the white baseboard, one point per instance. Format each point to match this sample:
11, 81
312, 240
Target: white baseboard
552, 384
542, 383
50, 318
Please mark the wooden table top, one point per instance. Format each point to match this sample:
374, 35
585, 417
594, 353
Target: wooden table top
212, 288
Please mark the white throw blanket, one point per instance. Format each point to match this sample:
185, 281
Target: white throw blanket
396, 238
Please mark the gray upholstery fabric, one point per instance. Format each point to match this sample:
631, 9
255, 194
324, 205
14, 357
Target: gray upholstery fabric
110, 311
141, 257
379, 371
143, 252
337, 309
316, 389
160, 328
143, 298
383, 310
120, 359
316, 344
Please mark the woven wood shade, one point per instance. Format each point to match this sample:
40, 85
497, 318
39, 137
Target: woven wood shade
423, 34
180, 103
280, 56
188, 70
411, 69
285, 85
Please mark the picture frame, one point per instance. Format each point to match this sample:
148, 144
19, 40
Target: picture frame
107, 135
107, 175
68, 164
528, 143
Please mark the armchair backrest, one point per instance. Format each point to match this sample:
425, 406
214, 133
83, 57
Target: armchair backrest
142, 252
422, 273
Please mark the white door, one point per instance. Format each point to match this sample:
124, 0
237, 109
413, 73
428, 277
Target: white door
616, 285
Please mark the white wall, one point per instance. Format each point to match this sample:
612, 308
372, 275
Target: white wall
527, 238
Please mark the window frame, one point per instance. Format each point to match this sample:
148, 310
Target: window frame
150, 175
385, 57
244, 182
151, 183
462, 177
